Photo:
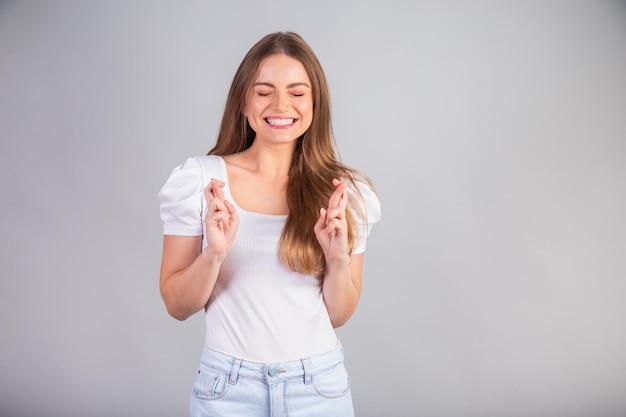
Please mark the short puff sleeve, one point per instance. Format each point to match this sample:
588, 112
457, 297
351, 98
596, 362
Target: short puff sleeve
367, 213
182, 200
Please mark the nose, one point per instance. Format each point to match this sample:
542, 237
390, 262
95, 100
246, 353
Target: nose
281, 103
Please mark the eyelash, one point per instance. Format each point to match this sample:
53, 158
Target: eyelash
267, 94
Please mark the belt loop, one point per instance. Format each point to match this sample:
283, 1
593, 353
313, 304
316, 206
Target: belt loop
234, 372
307, 372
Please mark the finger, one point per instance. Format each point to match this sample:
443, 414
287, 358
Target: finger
321, 222
234, 217
335, 225
212, 191
338, 213
339, 196
336, 182
337, 205
216, 188
217, 206
207, 193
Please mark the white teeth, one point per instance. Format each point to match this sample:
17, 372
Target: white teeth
280, 122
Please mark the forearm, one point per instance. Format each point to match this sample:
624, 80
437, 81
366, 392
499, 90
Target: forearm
341, 286
187, 291
341, 290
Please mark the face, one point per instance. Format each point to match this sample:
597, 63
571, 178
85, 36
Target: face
280, 106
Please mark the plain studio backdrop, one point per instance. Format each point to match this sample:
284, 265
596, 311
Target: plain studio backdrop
494, 131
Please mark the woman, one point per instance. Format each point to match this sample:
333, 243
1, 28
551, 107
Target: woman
266, 233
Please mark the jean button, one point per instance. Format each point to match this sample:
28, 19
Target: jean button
273, 372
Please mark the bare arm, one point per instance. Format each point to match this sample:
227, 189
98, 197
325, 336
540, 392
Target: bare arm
188, 273
341, 287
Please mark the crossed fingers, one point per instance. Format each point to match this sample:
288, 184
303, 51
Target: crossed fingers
337, 203
219, 210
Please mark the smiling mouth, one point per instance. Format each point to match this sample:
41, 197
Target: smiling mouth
280, 122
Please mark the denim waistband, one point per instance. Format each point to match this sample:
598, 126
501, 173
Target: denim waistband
272, 372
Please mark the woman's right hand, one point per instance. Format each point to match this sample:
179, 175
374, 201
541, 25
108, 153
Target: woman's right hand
221, 220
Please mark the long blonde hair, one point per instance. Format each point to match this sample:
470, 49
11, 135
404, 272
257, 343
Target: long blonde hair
315, 160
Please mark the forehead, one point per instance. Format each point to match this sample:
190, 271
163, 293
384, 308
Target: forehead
282, 68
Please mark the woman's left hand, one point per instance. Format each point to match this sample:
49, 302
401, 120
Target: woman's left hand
331, 228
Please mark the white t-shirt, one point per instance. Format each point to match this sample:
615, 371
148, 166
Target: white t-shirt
259, 310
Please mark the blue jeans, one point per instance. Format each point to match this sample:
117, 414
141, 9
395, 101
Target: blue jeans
311, 387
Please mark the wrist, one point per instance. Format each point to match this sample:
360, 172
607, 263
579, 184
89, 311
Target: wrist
211, 257
337, 262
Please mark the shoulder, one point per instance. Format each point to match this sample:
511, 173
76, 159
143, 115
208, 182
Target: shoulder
194, 173
365, 206
210, 166
182, 196
201, 166
364, 201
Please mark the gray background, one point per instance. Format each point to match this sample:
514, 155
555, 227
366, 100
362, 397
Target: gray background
494, 131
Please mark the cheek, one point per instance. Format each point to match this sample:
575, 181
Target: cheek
307, 110
310, 113
250, 106
252, 111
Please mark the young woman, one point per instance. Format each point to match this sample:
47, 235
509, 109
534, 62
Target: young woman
266, 233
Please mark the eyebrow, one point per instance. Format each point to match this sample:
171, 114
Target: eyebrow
292, 85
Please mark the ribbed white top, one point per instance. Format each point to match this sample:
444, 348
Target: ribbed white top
259, 310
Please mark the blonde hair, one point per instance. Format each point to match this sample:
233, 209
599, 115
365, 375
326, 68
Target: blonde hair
315, 159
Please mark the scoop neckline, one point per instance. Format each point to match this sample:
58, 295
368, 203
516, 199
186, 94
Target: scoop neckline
232, 200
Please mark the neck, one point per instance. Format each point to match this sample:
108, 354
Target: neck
269, 161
